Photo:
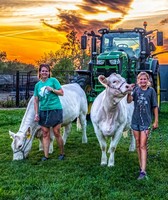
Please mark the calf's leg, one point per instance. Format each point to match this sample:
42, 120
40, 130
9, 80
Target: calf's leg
103, 145
66, 132
82, 118
132, 146
113, 146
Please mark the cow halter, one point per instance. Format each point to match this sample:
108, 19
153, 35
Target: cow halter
118, 88
25, 144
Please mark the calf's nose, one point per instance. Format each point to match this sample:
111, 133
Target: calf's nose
19, 146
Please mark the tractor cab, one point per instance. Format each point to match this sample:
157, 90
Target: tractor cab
123, 51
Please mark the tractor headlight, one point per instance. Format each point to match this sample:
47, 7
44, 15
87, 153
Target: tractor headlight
100, 62
114, 62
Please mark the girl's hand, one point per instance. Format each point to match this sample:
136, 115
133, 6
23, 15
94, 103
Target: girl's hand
155, 125
49, 88
36, 118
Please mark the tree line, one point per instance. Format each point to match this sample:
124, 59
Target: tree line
68, 57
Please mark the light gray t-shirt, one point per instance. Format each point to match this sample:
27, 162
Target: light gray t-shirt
144, 102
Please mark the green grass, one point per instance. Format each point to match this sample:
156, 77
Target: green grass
80, 176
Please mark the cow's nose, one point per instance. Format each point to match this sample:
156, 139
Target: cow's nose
127, 86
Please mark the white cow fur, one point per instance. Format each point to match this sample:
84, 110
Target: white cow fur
111, 115
74, 104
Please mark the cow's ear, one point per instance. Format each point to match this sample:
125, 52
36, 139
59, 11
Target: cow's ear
28, 132
102, 79
12, 135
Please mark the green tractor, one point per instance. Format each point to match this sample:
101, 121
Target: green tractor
124, 51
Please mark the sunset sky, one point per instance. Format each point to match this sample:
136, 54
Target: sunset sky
24, 37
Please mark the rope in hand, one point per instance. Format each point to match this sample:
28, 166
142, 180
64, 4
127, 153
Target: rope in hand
149, 137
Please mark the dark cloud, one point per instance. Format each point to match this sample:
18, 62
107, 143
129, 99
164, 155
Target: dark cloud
70, 20
74, 20
122, 6
164, 21
166, 44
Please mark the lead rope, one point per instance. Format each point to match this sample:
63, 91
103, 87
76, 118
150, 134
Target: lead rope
160, 144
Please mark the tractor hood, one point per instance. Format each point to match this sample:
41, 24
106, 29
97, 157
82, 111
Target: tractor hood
112, 58
111, 55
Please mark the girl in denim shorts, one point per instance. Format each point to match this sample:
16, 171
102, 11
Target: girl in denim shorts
145, 106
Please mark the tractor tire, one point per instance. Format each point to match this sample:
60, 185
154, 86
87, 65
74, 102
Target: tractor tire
85, 83
158, 86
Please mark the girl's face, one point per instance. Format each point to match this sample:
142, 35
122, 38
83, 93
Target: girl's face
44, 73
143, 81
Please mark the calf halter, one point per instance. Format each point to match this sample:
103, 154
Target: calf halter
118, 88
25, 144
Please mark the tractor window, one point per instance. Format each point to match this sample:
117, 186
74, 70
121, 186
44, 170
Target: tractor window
125, 41
108, 44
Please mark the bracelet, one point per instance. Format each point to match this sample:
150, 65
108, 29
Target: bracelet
53, 90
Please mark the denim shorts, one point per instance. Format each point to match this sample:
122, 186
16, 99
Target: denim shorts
50, 118
137, 127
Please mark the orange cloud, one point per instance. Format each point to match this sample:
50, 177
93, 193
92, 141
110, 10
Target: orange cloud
24, 37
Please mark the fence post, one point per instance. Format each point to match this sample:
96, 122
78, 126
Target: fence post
27, 95
17, 88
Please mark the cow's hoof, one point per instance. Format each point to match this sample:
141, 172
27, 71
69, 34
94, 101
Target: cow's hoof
103, 164
110, 165
131, 149
84, 141
40, 149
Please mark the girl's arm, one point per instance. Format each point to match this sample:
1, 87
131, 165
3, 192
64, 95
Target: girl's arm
129, 98
59, 92
36, 108
155, 111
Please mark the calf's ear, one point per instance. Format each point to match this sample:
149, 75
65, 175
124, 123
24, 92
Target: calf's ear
38, 132
28, 132
12, 135
102, 79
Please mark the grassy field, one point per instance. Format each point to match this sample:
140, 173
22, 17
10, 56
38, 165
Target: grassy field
80, 176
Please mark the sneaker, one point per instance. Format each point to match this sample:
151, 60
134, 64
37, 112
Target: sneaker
142, 175
44, 158
61, 157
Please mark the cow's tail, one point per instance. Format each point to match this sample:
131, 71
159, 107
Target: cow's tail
78, 124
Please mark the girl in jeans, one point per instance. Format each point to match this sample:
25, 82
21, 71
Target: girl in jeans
145, 105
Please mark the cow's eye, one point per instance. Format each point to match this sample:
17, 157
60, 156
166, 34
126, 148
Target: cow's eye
114, 81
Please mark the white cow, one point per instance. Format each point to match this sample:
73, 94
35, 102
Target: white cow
111, 115
74, 104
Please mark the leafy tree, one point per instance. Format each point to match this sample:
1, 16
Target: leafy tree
3, 55
63, 70
69, 50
